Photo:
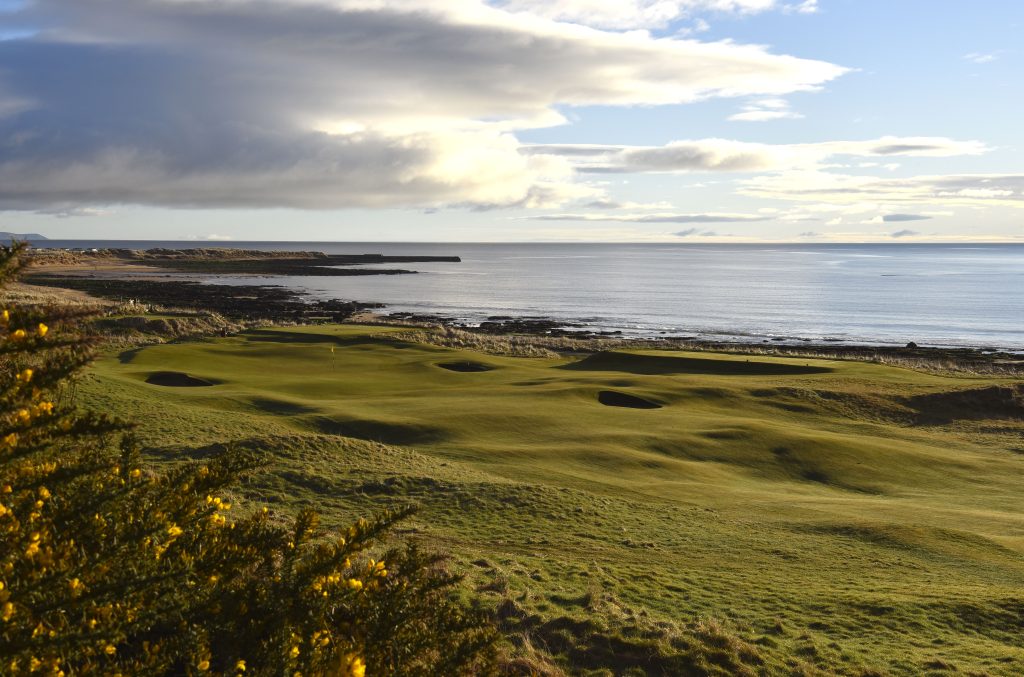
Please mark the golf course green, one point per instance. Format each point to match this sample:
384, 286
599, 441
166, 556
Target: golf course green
637, 512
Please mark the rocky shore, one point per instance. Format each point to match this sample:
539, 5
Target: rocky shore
237, 302
558, 335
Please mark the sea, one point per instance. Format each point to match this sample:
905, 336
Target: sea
949, 295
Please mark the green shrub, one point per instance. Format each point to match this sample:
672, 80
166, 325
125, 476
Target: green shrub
107, 567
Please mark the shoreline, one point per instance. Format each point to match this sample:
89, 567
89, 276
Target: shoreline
958, 356
126, 274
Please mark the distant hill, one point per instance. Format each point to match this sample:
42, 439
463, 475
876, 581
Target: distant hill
4, 237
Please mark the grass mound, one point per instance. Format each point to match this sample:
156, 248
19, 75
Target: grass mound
613, 398
177, 379
651, 365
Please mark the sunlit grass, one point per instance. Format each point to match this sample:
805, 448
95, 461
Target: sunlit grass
803, 502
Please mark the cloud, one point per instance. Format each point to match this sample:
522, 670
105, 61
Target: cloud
690, 232
330, 103
898, 218
980, 57
809, 233
974, 190
75, 212
607, 203
804, 7
626, 14
904, 233
759, 115
655, 218
762, 110
724, 155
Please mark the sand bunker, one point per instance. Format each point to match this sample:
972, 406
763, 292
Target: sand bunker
465, 367
176, 379
612, 398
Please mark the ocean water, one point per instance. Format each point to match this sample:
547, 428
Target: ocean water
883, 294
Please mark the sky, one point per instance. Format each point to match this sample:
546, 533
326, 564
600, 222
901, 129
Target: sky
513, 120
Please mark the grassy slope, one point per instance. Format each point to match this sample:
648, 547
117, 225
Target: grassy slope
791, 498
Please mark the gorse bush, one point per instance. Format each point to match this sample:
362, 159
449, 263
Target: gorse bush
109, 568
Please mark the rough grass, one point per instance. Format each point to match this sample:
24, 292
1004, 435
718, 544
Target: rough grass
941, 362
776, 516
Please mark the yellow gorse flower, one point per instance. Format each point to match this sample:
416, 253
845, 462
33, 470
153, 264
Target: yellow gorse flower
18, 335
26, 375
42, 329
355, 666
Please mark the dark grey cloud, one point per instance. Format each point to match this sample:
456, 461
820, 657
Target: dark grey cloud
679, 157
570, 150
904, 233
725, 155
898, 218
689, 232
714, 155
904, 148
226, 104
701, 218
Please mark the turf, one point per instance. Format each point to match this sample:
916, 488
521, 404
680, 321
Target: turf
825, 515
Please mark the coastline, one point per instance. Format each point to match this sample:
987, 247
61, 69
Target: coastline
187, 280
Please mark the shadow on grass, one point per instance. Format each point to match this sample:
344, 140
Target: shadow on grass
128, 356
177, 379
280, 407
652, 365
386, 432
993, 402
280, 336
466, 367
613, 398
